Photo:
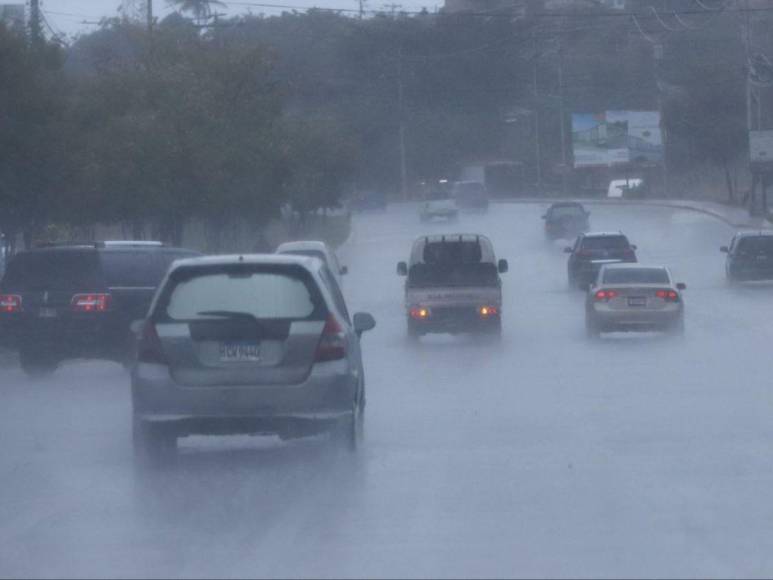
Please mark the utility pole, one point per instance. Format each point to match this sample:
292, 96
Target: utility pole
401, 112
36, 29
150, 15
537, 136
565, 168
362, 9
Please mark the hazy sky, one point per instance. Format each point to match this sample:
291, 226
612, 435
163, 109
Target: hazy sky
68, 16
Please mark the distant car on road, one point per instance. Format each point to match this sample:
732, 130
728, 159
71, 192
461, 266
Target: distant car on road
634, 297
591, 251
438, 205
259, 344
470, 196
315, 249
453, 285
566, 220
749, 257
78, 300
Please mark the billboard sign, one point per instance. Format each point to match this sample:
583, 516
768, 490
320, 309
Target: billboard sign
616, 137
761, 147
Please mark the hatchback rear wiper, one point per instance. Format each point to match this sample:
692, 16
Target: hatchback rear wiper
228, 314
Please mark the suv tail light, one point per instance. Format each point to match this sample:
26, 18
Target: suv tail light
10, 303
487, 311
149, 349
91, 302
629, 253
584, 253
605, 295
668, 295
418, 313
332, 343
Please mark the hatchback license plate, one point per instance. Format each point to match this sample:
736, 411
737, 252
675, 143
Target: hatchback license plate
239, 352
637, 302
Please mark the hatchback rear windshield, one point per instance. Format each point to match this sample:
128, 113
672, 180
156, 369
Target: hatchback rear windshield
567, 211
636, 276
758, 244
605, 243
53, 270
261, 294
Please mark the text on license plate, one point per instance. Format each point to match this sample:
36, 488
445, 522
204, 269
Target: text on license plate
637, 302
239, 352
47, 313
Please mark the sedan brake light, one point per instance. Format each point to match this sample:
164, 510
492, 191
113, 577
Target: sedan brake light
332, 343
418, 313
10, 303
606, 295
487, 311
668, 295
91, 302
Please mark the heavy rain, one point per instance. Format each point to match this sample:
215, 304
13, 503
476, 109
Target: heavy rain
477, 288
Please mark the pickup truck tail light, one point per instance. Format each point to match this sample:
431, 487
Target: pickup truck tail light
10, 303
488, 311
91, 302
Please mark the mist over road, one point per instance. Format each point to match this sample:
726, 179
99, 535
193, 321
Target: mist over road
545, 455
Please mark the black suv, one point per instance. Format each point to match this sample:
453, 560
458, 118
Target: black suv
78, 301
749, 257
593, 250
566, 220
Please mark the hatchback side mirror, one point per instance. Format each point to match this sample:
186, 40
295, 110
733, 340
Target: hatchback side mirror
724, 250
503, 266
634, 247
363, 322
568, 250
344, 270
681, 286
402, 269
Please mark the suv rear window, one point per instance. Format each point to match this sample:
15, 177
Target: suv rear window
138, 268
605, 243
53, 270
756, 244
261, 294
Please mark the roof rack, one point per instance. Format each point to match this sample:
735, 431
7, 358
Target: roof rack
65, 244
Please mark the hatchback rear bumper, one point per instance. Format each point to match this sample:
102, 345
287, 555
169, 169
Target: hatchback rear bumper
327, 395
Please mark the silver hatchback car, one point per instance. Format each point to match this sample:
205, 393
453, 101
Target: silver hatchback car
247, 345
633, 297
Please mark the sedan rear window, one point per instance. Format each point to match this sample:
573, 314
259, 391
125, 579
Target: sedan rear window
268, 295
605, 243
636, 276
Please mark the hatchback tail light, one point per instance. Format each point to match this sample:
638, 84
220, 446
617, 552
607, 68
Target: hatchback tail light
332, 343
10, 303
149, 349
91, 302
668, 295
629, 253
606, 295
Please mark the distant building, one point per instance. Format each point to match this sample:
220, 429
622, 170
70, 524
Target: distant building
486, 6
13, 15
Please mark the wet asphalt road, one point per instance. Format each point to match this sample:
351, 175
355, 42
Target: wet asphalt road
545, 455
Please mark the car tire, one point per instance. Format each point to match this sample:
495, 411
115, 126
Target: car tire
592, 330
154, 445
413, 333
348, 433
36, 366
678, 328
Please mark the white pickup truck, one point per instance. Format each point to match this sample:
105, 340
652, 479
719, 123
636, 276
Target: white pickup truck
453, 285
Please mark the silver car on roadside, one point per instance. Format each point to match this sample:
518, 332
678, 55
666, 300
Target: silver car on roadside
634, 297
259, 344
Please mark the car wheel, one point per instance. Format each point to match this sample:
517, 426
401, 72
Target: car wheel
36, 365
592, 330
154, 445
413, 332
348, 432
678, 328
